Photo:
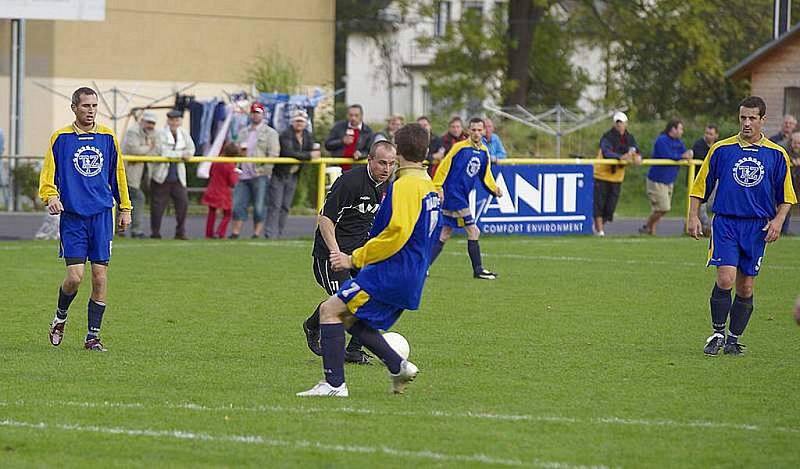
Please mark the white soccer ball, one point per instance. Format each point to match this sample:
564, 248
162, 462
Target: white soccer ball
398, 343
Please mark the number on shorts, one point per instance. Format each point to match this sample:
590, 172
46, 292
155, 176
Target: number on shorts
354, 287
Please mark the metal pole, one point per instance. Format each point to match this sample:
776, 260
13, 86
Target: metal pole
15, 131
558, 130
114, 112
321, 186
690, 182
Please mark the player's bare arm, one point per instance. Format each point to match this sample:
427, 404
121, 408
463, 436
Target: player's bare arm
694, 226
773, 227
328, 231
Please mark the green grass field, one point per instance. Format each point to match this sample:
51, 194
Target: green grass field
585, 353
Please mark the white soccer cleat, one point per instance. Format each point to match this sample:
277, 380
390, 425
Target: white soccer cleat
323, 389
408, 371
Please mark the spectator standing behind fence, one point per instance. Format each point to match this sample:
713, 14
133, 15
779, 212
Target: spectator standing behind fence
794, 158
219, 193
256, 140
139, 140
455, 133
661, 179
617, 144
394, 123
351, 138
783, 138
168, 180
296, 142
699, 151
435, 148
496, 149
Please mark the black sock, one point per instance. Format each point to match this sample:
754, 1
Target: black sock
375, 342
741, 310
96, 310
64, 301
474, 250
720, 305
436, 250
313, 321
332, 341
354, 344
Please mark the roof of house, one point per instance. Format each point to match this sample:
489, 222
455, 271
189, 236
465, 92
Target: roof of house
739, 69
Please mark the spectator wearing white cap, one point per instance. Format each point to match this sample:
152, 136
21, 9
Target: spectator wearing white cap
296, 142
139, 140
617, 144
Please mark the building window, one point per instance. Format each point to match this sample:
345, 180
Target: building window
473, 6
791, 101
443, 15
427, 102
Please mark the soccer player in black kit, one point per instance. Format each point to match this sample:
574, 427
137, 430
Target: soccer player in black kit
343, 226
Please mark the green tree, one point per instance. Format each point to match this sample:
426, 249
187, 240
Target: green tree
552, 78
274, 72
469, 62
670, 56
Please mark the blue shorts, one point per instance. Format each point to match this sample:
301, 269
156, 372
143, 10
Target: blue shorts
87, 237
738, 242
458, 218
376, 314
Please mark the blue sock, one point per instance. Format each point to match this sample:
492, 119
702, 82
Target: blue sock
474, 250
720, 305
375, 342
332, 341
96, 310
64, 301
741, 310
436, 250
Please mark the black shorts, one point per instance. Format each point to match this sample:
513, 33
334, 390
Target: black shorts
329, 280
606, 196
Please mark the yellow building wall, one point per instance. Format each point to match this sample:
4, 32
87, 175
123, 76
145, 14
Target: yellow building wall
154, 47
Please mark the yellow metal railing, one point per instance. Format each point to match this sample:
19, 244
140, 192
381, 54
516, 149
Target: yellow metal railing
325, 161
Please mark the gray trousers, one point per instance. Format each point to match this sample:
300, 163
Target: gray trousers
705, 209
137, 200
281, 194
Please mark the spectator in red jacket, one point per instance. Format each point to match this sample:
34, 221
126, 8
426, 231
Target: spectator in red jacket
219, 193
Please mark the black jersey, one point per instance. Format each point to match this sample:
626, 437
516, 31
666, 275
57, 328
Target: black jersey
351, 204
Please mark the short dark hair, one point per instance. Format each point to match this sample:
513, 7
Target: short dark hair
356, 106
753, 102
455, 119
713, 126
83, 90
412, 142
423, 118
230, 149
477, 120
672, 124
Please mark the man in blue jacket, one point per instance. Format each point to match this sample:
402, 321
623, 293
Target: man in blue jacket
661, 179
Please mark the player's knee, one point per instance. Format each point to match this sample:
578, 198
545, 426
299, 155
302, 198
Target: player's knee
73, 279
745, 290
473, 233
445, 234
725, 280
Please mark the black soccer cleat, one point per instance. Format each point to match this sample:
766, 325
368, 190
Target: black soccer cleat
312, 339
714, 344
484, 274
735, 349
358, 357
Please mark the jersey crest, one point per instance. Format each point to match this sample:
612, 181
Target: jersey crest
88, 160
473, 166
748, 171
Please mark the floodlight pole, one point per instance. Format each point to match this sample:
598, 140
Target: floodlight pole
15, 129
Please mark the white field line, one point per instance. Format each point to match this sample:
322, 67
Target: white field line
601, 421
299, 445
306, 244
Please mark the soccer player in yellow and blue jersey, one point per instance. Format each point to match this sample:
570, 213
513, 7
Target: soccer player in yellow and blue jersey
465, 164
82, 178
754, 194
393, 265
